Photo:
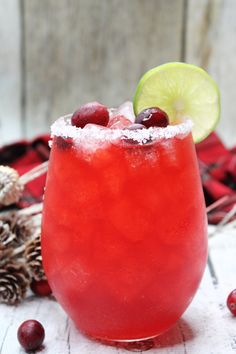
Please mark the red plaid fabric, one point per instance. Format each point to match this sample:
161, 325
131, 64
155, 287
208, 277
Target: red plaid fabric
217, 167
218, 172
23, 156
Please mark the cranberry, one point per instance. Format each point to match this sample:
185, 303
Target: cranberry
231, 302
153, 117
31, 334
136, 126
40, 288
119, 122
92, 112
63, 143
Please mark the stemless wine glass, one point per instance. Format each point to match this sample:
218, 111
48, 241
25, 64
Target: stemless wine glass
124, 239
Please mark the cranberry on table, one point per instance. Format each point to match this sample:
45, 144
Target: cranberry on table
31, 335
93, 112
152, 117
40, 288
231, 302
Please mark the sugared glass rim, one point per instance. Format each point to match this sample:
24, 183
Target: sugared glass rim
62, 127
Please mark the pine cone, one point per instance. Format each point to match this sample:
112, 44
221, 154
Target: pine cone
6, 236
34, 258
14, 281
10, 186
15, 229
5, 255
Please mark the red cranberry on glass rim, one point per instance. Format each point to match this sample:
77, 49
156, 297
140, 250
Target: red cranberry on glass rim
136, 126
153, 117
92, 112
63, 143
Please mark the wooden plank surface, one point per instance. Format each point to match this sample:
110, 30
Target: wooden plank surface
210, 43
57, 54
10, 71
206, 327
83, 50
223, 251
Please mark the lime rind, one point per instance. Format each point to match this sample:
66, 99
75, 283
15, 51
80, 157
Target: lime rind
182, 91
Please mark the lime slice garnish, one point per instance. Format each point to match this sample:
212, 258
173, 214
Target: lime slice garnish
182, 91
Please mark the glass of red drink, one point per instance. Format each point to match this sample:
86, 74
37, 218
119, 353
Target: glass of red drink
124, 239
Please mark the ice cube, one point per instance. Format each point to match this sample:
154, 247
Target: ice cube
126, 109
93, 137
119, 122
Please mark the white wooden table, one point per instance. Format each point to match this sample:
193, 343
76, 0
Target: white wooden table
207, 327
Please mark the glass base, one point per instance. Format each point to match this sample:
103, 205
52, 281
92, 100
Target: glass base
133, 340
135, 345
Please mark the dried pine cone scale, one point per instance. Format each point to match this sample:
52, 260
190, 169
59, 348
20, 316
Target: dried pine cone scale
5, 255
14, 282
21, 225
15, 229
10, 186
34, 258
6, 235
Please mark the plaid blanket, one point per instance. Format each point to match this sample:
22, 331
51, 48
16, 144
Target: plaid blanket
217, 167
218, 172
23, 156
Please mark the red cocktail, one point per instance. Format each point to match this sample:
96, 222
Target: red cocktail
124, 228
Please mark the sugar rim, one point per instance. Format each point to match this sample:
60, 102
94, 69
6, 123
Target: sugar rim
62, 127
